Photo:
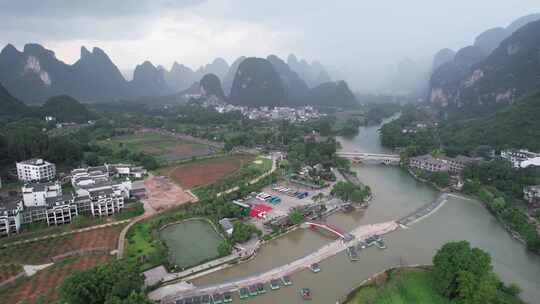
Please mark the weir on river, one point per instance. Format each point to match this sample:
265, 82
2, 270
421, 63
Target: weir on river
423, 211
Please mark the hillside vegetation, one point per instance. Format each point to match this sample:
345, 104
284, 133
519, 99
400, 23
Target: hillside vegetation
515, 126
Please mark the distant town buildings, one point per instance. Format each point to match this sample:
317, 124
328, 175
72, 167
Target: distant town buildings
97, 191
442, 164
34, 170
521, 158
266, 113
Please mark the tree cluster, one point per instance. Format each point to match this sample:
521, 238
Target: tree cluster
349, 192
115, 282
465, 274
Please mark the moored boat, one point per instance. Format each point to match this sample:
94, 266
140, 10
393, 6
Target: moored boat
274, 284
305, 293
227, 297
244, 293
315, 267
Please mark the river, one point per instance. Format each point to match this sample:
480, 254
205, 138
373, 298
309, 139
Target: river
395, 194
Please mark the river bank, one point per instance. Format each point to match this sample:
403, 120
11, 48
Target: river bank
416, 278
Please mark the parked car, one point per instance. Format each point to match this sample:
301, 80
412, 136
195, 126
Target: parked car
302, 195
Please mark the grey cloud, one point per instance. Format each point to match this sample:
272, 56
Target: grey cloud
83, 8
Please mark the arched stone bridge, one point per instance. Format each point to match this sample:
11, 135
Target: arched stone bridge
387, 159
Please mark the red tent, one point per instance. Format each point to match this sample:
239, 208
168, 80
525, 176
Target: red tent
259, 210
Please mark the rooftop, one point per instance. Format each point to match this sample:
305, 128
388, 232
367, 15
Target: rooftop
9, 204
59, 200
34, 162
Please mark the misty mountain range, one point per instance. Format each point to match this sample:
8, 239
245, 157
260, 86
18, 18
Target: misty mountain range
415, 78
502, 65
35, 74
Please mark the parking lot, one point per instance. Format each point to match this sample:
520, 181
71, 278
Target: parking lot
287, 200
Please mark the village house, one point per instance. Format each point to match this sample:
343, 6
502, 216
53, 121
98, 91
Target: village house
521, 158
10, 216
227, 226
428, 163
532, 196
442, 164
98, 191
36, 169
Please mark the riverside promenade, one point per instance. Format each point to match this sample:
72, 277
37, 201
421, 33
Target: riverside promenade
170, 293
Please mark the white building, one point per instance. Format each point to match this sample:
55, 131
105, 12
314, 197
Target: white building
61, 210
36, 169
36, 194
531, 162
10, 216
227, 226
442, 164
517, 157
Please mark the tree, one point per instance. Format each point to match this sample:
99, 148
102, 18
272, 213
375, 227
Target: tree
242, 232
225, 248
357, 196
112, 281
461, 272
441, 179
295, 218
498, 204
133, 298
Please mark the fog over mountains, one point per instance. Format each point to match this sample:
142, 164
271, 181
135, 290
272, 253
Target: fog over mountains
36, 74
417, 77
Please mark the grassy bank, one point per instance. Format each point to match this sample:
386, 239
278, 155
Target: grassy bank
411, 285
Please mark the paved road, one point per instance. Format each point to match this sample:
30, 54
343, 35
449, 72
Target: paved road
148, 212
168, 293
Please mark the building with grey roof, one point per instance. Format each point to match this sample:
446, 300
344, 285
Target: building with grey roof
10, 216
36, 169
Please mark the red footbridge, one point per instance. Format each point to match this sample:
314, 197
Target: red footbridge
344, 235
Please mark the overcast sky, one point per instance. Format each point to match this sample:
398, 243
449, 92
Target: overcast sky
363, 40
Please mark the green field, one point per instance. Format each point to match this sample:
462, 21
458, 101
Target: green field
165, 148
401, 287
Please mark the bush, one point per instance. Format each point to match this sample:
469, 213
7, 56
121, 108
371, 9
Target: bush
295, 218
224, 249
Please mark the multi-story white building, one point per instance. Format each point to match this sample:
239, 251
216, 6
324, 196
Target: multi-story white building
428, 163
34, 170
98, 191
521, 158
442, 164
460, 162
10, 216
61, 210
36, 194
105, 202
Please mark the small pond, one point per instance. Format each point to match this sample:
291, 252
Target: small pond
191, 242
